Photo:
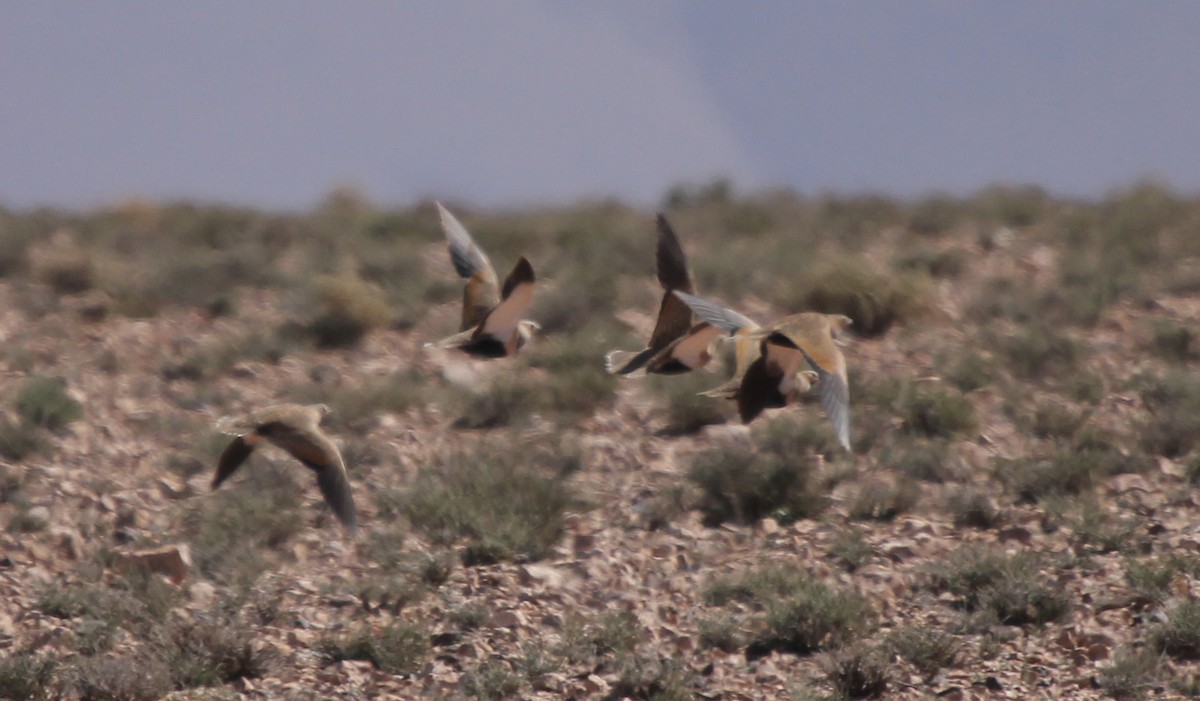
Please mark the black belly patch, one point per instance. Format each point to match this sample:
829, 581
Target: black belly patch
671, 367
486, 347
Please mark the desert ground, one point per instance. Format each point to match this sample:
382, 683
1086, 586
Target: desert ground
1017, 517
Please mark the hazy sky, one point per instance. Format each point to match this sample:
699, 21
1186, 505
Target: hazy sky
517, 102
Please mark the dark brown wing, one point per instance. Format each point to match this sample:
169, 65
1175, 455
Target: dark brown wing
522, 272
319, 454
231, 459
674, 321
674, 317
672, 263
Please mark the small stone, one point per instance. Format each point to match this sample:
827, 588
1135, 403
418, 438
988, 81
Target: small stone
540, 574
509, 619
1018, 533
202, 593
172, 561
38, 518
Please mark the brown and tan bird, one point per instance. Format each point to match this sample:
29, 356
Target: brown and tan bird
491, 326
777, 376
675, 346
296, 429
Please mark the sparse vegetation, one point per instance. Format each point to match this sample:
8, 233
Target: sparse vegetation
142, 678
857, 671
927, 649
234, 533
1016, 357
45, 403
397, 648
873, 299
1130, 675
347, 307
936, 411
1011, 588
210, 653
744, 484
495, 497
1179, 636
26, 676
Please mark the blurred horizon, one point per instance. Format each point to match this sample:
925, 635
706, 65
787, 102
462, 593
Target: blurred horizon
278, 104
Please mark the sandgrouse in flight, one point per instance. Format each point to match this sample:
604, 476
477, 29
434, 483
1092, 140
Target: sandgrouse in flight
296, 429
776, 377
491, 326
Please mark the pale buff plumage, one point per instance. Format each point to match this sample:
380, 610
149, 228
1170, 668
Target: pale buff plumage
776, 376
296, 429
491, 325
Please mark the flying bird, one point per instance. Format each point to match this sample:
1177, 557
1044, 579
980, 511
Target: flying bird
676, 345
296, 429
778, 375
491, 326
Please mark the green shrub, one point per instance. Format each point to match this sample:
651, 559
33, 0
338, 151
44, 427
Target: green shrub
813, 616
64, 266
928, 649
933, 410
1040, 352
884, 500
19, 440
946, 263
397, 648
491, 681
743, 485
1130, 675
687, 410
972, 507
44, 402
141, 678
1069, 470
25, 676
935, 215
507, 503
857, 671
1013, 589
347, 307
1015, 207
608, 635
720, 631
1173, 404
873, 299
233, 532
851, 549
211, 653
1179, 636
925, 460
972, 371
1173, 342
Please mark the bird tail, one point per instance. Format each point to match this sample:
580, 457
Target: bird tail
729, 390
627, 363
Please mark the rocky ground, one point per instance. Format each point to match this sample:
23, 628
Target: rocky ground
623, 605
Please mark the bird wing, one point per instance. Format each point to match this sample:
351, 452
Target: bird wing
318, 453
501, 321
724, 318
232, 458
814, 340
674, 320
471, 263
692, 349
671, 261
